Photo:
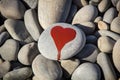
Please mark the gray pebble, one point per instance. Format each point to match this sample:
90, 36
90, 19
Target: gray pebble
114, 2
2, 28
118, 6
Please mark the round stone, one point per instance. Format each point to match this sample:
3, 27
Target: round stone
64, 41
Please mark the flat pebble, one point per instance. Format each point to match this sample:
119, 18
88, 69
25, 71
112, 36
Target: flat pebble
85, 14
118, 6
17, 30
88, 53
27, 53
35, 78
9, 50
87, 71
91, 39
4, 68
50, 12
103, 25
69, 66
107, 67
18, 74
32, 24
97, 19
51, 69
12, 9
105, 44
116, 55
60, 46
109, 15
2, 28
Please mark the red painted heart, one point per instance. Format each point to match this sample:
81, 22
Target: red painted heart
61, 36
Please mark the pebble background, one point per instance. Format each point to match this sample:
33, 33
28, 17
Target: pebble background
23, 21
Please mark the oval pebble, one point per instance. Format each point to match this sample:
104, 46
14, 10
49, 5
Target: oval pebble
51, 69
107, 67
9, 50
87, 71
2, 28
12, 9
97, 19
103, 25
27, 53
60, 46
85, 14
80, 3
118, 6
18, 74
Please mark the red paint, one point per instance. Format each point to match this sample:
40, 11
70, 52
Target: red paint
61, 36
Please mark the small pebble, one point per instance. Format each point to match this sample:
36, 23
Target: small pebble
118, 6
97, 19
2, 28
91, 39
103, 26
114, 2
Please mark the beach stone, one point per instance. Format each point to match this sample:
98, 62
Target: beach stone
3, 37
27, 53
116, 55
91, 39
16, 65
4, 68
62, 47
105, 44
17, 30
9, 50
107, 67
119, 14
118, 6
32, 24
104, 5
88, 53
80, 3
51, 69
114, 2
103, 25
115, 25
31, 3
87, 71
90, 13
97, 19
2, 28
1, 60
35, 78
109, 15
69, 66
18, 74
12, 9
55, 11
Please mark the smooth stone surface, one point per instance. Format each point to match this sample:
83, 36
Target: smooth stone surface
116, 55
105, 44
9, 50
85, 14
80, 3
27, 53
31, 3
35, 78
103, 5
2, 28
103, 25
109, 15
4, 68
91, 39
1, 60
32, 24
114, 2
87, 71
61, 47
18, 74
12, 9
53, 11
88, 53
115, 25
69, 66
118, 6
17, 30
3, 37
97, 19
107, 67
51, 69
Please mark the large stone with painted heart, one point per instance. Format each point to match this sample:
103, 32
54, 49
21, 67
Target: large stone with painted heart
61, 41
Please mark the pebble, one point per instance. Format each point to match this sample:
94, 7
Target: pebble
35, 78
115, 55
51, 69
50, 12
90, 13
109, 15
31, 3
118, 6
1, 61
105, 44
107, 67
12, 9
4, 68
32, 24
91, 39
114, 2
69, 66
103, 25
2, 28
115, 25
87, 71
60, 46
88, 53
18, 74
97, 19
9, 50
80, 3
3, 37
27, 53
17, 30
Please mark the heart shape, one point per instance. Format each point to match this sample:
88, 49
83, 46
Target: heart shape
61, 36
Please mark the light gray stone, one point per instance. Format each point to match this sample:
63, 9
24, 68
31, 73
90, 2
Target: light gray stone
118, 6
80, 3
97, 19
114, 2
